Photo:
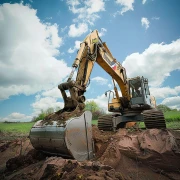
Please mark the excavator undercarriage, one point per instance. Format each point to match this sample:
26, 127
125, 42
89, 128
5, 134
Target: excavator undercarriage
152, 119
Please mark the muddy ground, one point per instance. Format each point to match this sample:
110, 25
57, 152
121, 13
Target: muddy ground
127, 154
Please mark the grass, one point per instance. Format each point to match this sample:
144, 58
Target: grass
172, 116
169, 125
94, 122
16, 127
172, 122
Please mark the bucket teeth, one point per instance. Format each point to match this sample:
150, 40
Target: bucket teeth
154, 119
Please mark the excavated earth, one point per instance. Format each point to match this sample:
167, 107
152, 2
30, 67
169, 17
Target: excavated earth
126, 154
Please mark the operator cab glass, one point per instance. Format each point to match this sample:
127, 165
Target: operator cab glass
139, 91
135, 88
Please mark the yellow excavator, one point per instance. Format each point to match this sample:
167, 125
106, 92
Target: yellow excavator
68, 132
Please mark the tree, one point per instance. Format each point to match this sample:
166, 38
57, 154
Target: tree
43, 114
163, 108
94, 108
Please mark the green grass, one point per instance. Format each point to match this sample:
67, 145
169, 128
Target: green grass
172, 122
94, 122
16, 127
172, 116
169, 125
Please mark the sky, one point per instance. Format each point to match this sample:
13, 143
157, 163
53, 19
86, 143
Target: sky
39, 41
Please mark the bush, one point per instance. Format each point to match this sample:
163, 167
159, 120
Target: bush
96, 114
42, 115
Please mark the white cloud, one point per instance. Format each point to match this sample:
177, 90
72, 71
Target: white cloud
102, 102
155, 18
127, 5
172, 102
45, 103
54, 92
155, 63
144, 1
64, 29
87, 11
27, 50
102, 32
110, 85
77, 31
164, 92
16, 117
100, 80
145, 22
75, 48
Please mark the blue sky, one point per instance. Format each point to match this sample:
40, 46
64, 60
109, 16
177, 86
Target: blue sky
39, 41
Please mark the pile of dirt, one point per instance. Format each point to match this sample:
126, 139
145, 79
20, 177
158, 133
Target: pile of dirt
153, 150
20, 161
58, 168
11, 148
63, 115
125, 154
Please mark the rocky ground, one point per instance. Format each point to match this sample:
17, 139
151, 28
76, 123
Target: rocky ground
127, 154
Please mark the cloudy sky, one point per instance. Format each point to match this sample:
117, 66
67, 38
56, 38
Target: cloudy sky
39, 41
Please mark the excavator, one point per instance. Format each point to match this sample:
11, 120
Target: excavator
68, 132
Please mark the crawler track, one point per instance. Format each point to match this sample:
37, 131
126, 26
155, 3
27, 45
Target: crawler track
154, 119
105, 123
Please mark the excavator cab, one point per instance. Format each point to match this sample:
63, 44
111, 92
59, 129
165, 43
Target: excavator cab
139, 92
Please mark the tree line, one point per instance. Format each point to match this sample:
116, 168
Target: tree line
89, 106
95, 109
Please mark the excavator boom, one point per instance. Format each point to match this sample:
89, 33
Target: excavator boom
92, 50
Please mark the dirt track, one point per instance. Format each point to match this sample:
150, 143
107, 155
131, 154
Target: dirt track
126, 154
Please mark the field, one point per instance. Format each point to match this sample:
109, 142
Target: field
172, 116
16, 127
172, 122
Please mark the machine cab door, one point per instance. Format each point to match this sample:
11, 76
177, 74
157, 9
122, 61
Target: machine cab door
139, 91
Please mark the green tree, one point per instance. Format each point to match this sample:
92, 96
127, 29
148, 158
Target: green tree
94, 108
91, 106
163, 108
43, 114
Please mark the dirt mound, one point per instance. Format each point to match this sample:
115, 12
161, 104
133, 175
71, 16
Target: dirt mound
125, 154
58, 168
63, 115
32, 157
152, 150
11, 148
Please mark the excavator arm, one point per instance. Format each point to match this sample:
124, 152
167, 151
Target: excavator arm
92, 50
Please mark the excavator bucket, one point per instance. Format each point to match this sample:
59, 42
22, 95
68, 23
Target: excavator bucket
72, 138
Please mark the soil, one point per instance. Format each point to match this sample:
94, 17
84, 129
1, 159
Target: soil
63, 115
126, 154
